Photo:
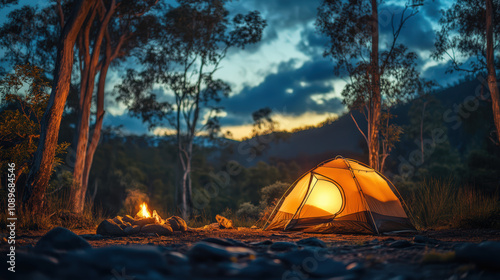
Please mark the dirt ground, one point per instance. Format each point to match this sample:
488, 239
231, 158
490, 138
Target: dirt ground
257, 235
380, 256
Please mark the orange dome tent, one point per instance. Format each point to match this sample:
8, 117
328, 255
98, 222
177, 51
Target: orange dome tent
340, 195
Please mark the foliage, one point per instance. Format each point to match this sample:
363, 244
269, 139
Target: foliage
377, 78
270, 196
25, 98
462, 36
195, 37
442, 204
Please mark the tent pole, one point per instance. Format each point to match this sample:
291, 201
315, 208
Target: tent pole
362, 195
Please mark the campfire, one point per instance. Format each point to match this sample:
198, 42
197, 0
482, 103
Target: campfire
146, 223
142, 223
144, 212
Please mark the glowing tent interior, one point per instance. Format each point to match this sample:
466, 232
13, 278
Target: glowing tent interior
340, 195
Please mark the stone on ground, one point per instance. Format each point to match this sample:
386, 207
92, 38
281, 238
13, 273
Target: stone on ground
177, 223
155, 228
224, 222
61, 239
110, 228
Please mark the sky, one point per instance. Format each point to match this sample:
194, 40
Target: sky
286, 70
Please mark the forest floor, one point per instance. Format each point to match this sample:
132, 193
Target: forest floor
245, 253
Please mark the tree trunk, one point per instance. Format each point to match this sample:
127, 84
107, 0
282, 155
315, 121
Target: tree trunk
422, 131
375, 106
490, 59
41, 167
96, 135
80, 174
185, 185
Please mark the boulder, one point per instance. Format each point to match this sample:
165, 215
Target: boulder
313, 262
158, 229
110, 227
177, 223
61, 239
224, 222
143, 221
312, 242
128, 219
132, 230
203, 251
485, 254
281, 246
400, 244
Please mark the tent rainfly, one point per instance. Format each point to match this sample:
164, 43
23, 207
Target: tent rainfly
340, 195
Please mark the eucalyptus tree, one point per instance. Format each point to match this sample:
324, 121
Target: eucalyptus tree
467, 40
41, 167
181, 63
111, 31
376, 76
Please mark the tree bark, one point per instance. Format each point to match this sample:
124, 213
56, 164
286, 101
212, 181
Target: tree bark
41, 167
490, 60
422, 131
375, 100
80, 183
96, 135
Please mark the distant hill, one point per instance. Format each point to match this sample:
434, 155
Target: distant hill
311, 146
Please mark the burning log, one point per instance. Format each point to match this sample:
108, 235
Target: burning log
143, 222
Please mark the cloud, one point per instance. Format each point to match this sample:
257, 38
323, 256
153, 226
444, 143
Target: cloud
417, 33
130, 124
287, 92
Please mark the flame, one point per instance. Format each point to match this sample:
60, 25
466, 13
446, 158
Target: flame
144, 213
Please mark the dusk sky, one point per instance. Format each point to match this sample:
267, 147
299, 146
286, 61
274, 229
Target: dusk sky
287, 72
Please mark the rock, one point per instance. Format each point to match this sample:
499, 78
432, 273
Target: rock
424, 239
400, 244
128, 219
355, 267
313, 263
224, 222
132, 230
109, 227
203, 251
177, 223
158, 229
176, 258
262, 243
119, 221
226, 242
180, 262
143, 221
217, 241
281, 246
27, 262
128, 262
157, 218
312, 242
61, 239
485, 254
254, 227
91, 236
262, 268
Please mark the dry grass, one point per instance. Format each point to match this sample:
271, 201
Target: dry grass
441, 204
56, 213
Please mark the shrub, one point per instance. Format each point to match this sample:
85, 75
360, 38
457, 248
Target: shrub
248, 210
269, 197
272, 192
438, 203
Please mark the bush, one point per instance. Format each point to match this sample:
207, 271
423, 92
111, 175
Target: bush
438, 204
248, 210
269, 197
272, 192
